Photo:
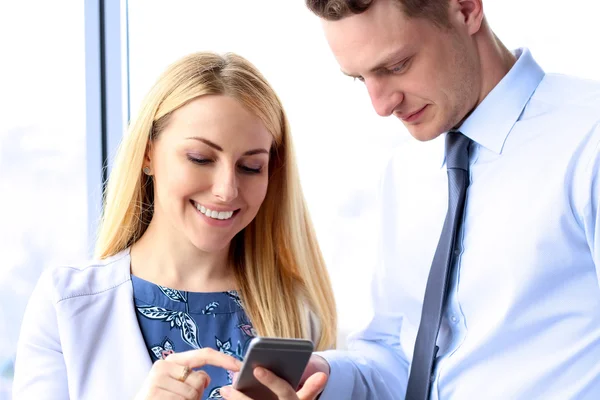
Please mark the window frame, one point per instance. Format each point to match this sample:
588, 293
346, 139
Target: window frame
107, 97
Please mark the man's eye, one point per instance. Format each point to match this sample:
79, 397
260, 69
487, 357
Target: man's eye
397, 68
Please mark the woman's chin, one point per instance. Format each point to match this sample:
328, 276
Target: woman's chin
211, 246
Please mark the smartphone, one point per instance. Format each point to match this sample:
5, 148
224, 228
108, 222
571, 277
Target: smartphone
286, 358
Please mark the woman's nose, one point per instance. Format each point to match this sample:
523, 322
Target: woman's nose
225, 186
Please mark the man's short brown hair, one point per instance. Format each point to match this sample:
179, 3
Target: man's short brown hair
334, 10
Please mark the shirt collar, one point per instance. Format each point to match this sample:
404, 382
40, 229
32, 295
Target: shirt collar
491, 122
494, 118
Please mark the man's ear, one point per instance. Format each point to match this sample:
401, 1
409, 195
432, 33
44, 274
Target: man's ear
468, 13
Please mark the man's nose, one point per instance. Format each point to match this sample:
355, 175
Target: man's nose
385, 99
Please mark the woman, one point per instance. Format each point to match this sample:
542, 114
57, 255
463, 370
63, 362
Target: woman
205, 241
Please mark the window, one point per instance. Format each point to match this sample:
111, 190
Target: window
44, 206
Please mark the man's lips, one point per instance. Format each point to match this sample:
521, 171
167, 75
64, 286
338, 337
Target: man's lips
408, 117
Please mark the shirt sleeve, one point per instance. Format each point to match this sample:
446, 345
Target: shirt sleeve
40, 367
374, 367
587, 194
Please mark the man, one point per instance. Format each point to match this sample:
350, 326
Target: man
510, 264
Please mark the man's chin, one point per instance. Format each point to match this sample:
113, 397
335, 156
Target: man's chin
423, 133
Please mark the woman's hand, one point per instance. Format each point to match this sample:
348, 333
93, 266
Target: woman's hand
174, 377
312, 384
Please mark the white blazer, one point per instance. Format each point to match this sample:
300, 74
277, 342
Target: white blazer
80, 337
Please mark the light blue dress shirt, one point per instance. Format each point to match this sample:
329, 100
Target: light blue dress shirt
523, 315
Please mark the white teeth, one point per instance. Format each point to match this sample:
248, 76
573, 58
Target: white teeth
214, 214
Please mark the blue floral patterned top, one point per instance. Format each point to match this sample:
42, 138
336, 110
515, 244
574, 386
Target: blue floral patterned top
175, 321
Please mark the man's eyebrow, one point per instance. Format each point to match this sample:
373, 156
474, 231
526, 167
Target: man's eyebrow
385, 61
349, 74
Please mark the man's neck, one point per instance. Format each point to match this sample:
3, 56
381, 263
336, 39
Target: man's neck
496, 60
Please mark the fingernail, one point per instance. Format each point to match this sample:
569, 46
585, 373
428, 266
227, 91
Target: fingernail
260, 373
225, 390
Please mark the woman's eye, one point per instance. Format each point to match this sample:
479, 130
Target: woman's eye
251, 170
243, 168
199, 160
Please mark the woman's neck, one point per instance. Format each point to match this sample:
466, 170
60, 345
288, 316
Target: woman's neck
172, 261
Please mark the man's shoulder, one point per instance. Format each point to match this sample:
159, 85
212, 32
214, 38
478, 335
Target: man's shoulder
88, 278
567, 106
570, 94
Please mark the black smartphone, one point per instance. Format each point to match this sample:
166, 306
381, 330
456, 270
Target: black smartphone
286, 358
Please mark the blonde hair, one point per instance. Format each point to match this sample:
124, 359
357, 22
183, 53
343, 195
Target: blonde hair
278, 264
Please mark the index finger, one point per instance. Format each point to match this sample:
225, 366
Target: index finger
205, 356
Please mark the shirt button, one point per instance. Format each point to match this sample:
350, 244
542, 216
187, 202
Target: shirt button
457, 252
454, 319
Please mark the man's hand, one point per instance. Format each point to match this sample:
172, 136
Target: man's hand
315, 364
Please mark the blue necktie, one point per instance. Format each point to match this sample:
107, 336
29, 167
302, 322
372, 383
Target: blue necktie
421, 373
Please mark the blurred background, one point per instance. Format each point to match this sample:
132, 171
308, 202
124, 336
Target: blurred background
72, 73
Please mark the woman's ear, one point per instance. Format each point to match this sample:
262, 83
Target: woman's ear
147, 165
